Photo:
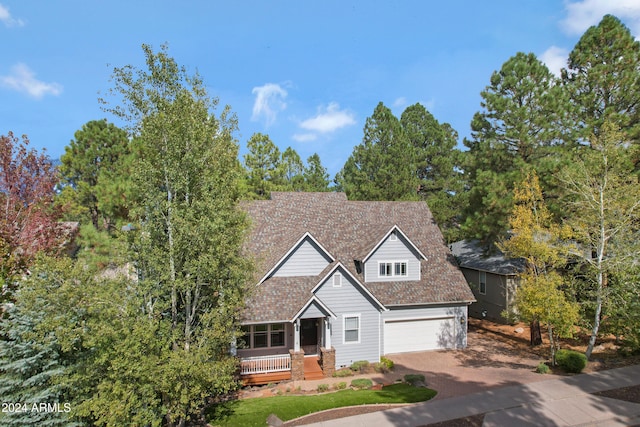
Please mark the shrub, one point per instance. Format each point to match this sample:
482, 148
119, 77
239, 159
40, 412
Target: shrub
341, 385
542, 368
571, 361
340, 373
385, 365
362, 383
360, 366
322, 388
413, 379
380, 367
387, 362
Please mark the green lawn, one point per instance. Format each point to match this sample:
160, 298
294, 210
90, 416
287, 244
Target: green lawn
254, 412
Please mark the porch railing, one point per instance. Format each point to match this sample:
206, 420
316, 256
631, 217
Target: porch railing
265, 364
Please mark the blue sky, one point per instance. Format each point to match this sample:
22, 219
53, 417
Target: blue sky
306, 73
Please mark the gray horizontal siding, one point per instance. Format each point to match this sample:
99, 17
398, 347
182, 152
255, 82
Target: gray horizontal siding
350, 300
305, 260
391, 251
312, 312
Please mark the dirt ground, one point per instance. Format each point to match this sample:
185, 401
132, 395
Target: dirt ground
515, 339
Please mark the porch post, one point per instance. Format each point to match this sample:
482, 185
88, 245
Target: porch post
327, 333
296, 336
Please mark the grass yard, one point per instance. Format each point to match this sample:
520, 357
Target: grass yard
254, 412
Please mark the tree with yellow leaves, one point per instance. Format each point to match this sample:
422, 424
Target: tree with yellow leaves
539, 241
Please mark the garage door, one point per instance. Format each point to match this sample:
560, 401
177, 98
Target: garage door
402, 336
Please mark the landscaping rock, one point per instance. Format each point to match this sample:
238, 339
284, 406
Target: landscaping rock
519, 330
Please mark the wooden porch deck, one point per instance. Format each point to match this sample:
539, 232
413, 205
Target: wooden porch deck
260, 379
312, 371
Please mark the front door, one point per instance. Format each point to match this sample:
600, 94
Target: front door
309, 336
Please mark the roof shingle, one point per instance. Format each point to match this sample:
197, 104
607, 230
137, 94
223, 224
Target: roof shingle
348, 230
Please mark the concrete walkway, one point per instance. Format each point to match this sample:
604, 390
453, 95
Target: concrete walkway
559, 402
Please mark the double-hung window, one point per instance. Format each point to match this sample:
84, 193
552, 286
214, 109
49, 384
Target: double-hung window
352, 328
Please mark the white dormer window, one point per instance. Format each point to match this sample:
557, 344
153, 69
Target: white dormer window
392, 269
386, 269
400, 269
337, 280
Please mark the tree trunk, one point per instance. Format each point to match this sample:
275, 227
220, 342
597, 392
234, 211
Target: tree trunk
552, 345
602, 242
536, 334
596, 320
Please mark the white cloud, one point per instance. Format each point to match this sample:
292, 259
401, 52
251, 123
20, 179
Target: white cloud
400, 102
329, 119
583, 14
270, 100
555, 59
304, 137
5, 17
22, 79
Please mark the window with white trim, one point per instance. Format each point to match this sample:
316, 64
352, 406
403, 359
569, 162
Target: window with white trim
400, 268
385, 269
352, 328
337, 280
482, 282
392, 269
262, 336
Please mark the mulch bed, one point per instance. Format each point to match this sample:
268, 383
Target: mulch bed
628, 394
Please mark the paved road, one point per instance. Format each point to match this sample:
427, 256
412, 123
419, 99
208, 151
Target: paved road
564, 401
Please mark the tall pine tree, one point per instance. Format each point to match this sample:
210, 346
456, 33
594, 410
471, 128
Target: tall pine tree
603, 79
383, 165
520, 128
437, 165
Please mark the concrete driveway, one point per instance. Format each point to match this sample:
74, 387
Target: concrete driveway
485, 364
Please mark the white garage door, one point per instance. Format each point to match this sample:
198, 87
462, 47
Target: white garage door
402, 336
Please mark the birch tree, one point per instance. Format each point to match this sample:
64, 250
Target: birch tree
189, 228
604, 207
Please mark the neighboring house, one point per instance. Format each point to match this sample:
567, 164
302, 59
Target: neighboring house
345, 281
492, 277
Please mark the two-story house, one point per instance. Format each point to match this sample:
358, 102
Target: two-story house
341, 281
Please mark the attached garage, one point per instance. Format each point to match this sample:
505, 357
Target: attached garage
405, 335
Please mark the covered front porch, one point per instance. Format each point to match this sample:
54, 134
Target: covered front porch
295, 350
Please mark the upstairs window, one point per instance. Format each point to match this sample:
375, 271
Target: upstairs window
392, 269
386, 269
400, 268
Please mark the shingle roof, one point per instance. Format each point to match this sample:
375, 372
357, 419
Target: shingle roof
471, 254
270, 302
348, 230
